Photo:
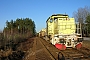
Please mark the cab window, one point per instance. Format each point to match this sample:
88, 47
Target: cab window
51, 20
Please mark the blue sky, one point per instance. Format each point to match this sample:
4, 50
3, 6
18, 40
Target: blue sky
37, 10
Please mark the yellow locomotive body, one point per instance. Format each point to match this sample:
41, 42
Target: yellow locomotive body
61, 30
60, 24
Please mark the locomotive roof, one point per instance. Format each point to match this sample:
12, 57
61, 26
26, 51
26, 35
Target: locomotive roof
57, 15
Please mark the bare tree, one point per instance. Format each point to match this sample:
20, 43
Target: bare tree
81, 14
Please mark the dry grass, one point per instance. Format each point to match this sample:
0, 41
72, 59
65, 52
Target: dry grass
5, 53
86, 43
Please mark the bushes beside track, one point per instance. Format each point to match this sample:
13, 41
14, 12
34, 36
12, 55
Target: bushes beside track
14, 34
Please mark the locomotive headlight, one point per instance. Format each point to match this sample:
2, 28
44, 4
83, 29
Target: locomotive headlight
73, 39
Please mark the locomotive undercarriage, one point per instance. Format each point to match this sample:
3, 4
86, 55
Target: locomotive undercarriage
73, 41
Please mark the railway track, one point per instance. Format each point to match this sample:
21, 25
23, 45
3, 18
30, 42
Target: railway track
42, 53
51, 49
74, 54
68, 54
44, 50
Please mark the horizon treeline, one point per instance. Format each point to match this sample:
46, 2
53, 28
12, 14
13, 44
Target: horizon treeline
20, 26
